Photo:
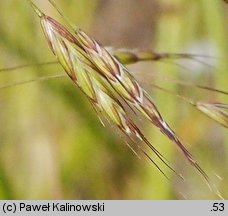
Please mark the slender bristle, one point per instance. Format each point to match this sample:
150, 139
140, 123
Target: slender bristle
36, 9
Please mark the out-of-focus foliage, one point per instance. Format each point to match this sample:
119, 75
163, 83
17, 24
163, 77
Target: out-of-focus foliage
52, 146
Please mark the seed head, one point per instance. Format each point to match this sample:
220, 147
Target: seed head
107, 84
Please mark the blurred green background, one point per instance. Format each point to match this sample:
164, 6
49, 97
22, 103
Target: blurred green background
52, 146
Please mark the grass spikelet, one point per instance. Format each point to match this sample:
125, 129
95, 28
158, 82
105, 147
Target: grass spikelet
129, 56
215, 111
104, 81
